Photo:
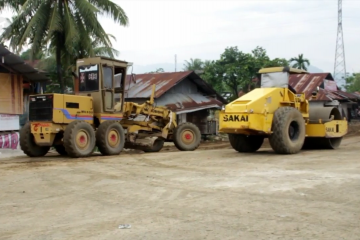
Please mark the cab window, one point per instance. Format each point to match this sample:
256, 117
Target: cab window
108, 77
89, 78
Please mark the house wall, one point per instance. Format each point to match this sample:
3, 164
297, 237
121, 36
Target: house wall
204, 120
199, 118
343, 108
11, 94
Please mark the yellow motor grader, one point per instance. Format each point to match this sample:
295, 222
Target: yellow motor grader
277, 112
98, 116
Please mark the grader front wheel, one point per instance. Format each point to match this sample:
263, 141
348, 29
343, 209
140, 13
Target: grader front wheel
110, 138
187, 137
79, 139
28, 144
288, 131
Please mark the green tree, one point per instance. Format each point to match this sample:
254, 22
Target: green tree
300, 62
193, 64
158, 70
67, 28
48, 64
26, 55
236, 70
211, 76
353, 83
277, 62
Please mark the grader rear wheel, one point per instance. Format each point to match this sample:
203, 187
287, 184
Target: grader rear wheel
244, 143
110, 138
60, 149
187, 137
28, 144
79, 139
288, 128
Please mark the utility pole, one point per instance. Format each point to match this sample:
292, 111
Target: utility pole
175, 62
340, 66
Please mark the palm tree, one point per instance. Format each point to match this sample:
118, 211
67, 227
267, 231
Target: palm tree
67, 27
47, 62
300, 62
194, 64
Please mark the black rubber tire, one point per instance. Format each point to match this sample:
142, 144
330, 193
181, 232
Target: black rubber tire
60, 149
70, 139
28, 145
102, 138
156, 147
279, 140
245, 143
182, 146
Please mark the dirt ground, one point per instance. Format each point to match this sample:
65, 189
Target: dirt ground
211, 193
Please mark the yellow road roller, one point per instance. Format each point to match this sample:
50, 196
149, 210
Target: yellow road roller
277, 112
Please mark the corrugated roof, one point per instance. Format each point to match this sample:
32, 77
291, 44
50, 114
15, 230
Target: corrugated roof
14, 63
347, 95
357, 94
307, 83
325, 95
179, 102
140, 85
32, 63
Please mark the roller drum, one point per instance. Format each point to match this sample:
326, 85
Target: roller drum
323, 113
326, 114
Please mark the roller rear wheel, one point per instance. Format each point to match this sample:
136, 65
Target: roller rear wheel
288, 129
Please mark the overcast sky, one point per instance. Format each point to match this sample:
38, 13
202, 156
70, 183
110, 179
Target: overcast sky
203, 29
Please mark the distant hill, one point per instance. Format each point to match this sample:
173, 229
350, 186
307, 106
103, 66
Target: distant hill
313, 69
170, 67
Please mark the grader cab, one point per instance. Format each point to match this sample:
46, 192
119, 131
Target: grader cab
277, 112
98, 116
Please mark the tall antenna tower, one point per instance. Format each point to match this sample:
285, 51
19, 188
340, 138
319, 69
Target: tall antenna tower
340, 66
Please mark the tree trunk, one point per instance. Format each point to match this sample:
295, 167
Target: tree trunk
58, 66
58, 55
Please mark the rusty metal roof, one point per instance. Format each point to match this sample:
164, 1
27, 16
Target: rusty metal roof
14, 63
325, 95
140, 85
307, 83
357, 94
343, 94
182, 103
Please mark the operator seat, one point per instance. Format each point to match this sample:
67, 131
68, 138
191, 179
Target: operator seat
117, 106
